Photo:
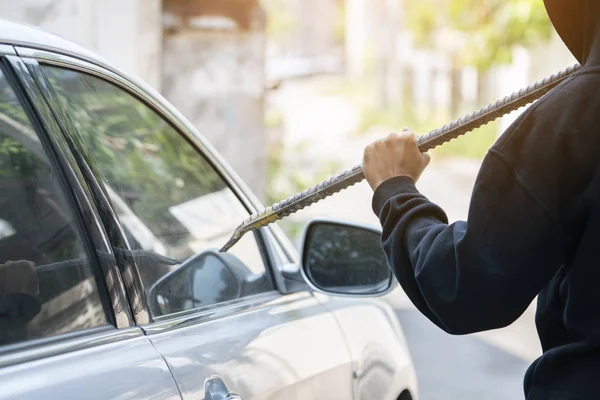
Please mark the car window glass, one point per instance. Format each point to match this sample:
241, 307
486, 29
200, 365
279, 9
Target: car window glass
169, 199
215, 274
208, 280
47, 286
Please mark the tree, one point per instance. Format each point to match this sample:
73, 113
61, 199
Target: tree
280, 21
479, 33
492, 28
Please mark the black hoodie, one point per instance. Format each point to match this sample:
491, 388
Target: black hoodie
533, 228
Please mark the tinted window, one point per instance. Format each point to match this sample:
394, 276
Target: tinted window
46, 283
206, 280
169, 199
346, 259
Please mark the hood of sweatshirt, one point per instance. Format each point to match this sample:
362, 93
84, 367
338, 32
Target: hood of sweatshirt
577, 23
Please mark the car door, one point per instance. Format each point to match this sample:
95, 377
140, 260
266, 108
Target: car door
219, 320
66, 331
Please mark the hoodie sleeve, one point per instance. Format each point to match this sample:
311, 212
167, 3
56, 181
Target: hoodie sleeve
477, 275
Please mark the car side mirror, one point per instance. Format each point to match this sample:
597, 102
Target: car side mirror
205, 279
345, 259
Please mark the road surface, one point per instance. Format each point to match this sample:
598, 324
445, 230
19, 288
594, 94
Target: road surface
461, 368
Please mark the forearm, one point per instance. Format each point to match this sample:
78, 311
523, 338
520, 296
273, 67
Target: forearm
476, 276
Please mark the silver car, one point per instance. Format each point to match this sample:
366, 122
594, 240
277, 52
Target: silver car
111, 209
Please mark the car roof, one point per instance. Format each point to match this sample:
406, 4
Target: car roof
19, 34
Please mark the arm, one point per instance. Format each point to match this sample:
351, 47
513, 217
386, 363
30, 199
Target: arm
474, 276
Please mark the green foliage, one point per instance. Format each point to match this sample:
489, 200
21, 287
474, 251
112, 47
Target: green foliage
493, 28
474, 145
280, 21
15, 160
273, 119
423, 18
296, 180
483, 32
339, 24
135, 151
274, 166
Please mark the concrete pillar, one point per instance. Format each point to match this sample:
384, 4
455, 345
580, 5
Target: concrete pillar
213, 72
126, 32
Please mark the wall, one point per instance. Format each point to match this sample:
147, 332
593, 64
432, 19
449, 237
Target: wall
213, 72
214, 77
126, 32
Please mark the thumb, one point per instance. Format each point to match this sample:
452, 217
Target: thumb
426, 158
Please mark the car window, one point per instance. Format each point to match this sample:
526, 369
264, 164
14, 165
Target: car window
47, 285
169, 199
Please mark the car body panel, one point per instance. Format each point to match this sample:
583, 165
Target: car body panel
127, 369
317, 374
300, 345
287, 348
382, 364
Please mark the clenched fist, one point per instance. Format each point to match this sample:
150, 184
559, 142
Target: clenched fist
395, 155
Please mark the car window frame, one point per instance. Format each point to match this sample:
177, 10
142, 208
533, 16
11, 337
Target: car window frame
170, 115
46, 127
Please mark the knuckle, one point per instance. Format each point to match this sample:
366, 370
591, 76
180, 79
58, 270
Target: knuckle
409, 136
410, 140
393, 139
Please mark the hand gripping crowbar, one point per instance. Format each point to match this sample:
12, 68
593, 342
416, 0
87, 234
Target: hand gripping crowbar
426, 142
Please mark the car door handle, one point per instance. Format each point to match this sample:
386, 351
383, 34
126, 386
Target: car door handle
216, 389
358, 373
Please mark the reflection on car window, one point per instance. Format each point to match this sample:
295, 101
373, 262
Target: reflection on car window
168, 198
46, 283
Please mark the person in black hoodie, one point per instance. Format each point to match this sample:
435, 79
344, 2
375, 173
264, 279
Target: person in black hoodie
533, 227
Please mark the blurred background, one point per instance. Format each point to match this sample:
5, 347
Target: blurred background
290, 92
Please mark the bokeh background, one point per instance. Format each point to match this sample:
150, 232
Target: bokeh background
290, 92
